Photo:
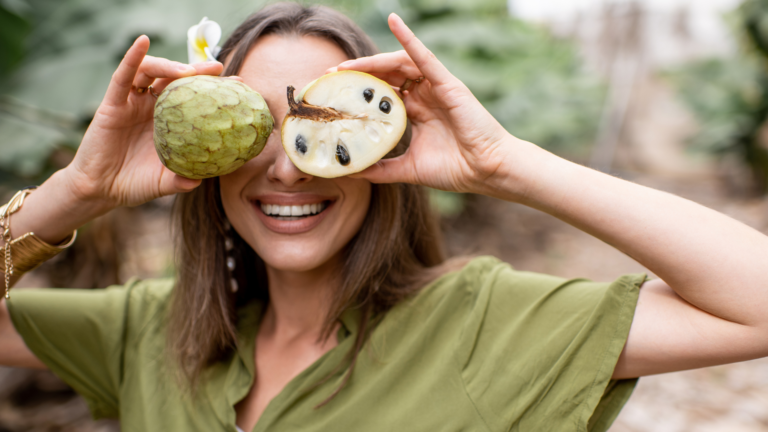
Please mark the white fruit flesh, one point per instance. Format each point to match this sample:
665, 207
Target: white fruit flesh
369, 121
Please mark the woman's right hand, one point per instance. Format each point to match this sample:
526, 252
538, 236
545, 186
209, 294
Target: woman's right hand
116, 164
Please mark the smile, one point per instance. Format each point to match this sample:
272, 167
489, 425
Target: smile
293, 212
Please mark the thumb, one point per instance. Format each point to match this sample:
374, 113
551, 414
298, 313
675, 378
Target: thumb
171, 183
184, 184
395, 170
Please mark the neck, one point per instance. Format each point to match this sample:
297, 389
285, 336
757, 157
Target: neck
299, 302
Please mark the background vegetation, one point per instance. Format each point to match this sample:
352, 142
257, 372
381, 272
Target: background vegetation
729, 96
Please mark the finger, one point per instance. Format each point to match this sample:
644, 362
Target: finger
122, 79
154, 67
183, 184
171, 183
395, 64
213, 68
394, 79
424, 59
395, 170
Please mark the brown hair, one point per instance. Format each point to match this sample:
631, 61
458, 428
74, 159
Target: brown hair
387, 260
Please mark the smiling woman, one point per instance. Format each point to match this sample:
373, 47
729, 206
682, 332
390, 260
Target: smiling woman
372, 243
323, 304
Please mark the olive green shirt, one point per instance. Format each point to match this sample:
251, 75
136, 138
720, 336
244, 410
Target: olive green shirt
486, 348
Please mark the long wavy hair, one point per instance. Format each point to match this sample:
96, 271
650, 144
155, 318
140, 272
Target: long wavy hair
395, 253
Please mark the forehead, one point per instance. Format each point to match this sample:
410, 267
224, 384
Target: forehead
276, 61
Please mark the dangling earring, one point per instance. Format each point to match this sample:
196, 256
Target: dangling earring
229, 246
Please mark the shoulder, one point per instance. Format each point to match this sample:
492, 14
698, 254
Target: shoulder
490, 297
486, 276
483, 275
147, 299
460, 299
149, 291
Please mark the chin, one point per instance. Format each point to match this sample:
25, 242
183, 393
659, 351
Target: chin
297, 256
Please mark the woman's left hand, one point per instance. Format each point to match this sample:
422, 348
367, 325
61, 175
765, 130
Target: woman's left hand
457, 145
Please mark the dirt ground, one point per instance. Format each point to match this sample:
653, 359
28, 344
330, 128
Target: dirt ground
732, 398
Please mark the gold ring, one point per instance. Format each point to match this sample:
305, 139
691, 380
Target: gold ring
408, 82
148, 89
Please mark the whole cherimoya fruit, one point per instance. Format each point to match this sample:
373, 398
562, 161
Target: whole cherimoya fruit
209, 126
342, 123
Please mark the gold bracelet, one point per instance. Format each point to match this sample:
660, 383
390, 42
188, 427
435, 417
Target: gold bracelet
28, 250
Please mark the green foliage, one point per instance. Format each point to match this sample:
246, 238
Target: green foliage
723, 94
729, 96
13, 30
447, 204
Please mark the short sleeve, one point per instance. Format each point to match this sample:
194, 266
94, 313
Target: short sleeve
538, 352
79, 335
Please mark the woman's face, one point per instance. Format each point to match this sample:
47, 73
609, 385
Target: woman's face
294, 221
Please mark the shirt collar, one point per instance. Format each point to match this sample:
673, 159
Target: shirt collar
249, 318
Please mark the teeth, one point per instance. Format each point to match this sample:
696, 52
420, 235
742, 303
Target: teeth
296, 210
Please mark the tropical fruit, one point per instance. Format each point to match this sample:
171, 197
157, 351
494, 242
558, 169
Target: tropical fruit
208, 126
342, 123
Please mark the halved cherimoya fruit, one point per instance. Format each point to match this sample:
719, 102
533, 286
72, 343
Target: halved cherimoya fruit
342, 123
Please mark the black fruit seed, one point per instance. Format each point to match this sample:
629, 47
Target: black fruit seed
368, 95
301, 144
385, 107
342, 155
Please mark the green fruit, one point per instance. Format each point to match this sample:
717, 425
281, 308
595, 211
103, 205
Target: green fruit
209, 126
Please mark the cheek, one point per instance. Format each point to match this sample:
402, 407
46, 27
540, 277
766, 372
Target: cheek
233, 184
357, 202
232, 187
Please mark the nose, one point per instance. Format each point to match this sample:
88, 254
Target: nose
283, 170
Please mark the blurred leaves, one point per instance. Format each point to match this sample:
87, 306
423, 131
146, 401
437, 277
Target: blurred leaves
13, 31
729, 96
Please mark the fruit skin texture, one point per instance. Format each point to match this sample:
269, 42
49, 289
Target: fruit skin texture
208, 126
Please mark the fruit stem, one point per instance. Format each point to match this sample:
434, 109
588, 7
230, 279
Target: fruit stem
312, 112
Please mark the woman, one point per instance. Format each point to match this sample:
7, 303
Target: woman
349, 319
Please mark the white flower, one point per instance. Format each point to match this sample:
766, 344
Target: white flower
202, 41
